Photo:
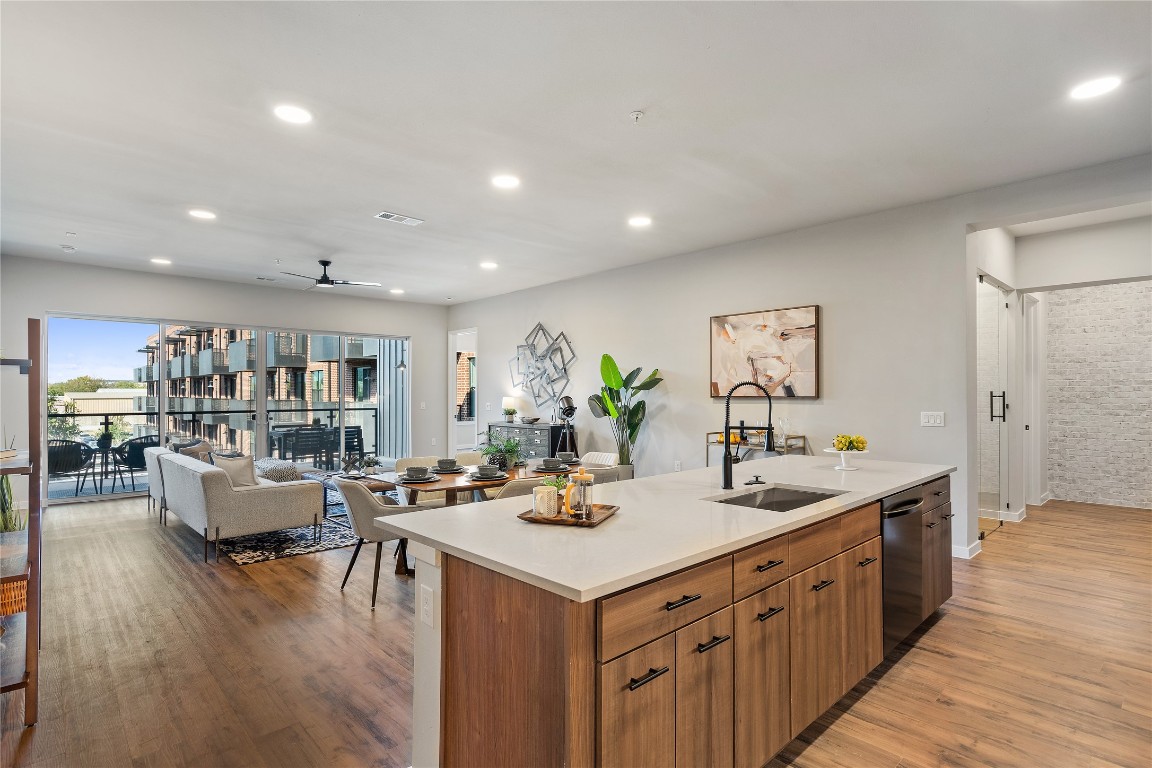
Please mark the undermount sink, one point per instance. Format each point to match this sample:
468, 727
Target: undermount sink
779, 499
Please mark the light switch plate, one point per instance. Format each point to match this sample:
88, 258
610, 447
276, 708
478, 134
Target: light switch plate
931, 418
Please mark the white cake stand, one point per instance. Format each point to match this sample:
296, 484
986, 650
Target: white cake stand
843, 465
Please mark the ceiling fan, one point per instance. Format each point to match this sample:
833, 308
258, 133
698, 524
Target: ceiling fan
326, 282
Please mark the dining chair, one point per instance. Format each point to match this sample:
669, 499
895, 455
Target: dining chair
469, 458
70, 457
603, 474
518, 488
427, 500
600, 459
363, 508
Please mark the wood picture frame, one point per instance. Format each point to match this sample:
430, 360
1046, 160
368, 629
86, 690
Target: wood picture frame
776, 348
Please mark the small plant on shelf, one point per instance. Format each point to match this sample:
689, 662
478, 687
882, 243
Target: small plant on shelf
10, 517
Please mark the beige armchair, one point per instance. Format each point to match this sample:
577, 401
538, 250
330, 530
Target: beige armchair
600, 459
433, 499
518, 488
363, 508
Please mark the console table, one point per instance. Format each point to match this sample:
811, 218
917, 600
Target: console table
537, 441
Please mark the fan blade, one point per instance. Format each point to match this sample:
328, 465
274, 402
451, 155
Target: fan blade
306, 277
353, 282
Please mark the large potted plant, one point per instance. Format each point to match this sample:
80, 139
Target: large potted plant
617, 401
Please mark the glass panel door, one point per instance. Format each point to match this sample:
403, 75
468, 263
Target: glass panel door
211, 375
103, 385
991, 405
302, 384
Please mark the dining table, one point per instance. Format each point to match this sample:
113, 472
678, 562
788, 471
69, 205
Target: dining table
453, 484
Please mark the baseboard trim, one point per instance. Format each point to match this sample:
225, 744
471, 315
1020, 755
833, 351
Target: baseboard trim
1045, 498
1017, 516
966, 553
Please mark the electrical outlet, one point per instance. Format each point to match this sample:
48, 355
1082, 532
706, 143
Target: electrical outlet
422, 405
931, 418
676, 467
487, 406
427, 600
433, 442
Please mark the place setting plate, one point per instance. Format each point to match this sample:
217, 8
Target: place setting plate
402, 478
454, 471
540, 469
501, 476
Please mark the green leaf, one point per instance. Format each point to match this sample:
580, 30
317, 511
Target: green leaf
647, 384
610, 372
596, 405
636, 418
611, 400
630, 379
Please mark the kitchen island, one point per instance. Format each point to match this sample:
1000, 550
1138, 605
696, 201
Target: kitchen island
524, 631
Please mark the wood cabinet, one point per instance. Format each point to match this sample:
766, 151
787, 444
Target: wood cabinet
864, 619
936, 538
818, 602
638, 707
762, 689
704, 692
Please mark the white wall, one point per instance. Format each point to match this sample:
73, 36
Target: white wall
897, 296
995, 253
34, 288
1117, 250
1100, 394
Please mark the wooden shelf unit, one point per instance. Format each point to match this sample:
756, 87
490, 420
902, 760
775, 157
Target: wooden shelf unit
21, 561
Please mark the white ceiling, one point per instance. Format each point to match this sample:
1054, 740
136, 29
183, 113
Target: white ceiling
759, 117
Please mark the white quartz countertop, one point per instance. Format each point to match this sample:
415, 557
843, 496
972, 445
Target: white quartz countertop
665, 523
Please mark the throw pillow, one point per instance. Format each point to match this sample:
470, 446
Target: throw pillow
240, 471
201, 449
277, 470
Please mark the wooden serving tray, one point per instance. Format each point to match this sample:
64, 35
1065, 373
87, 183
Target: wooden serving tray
600, 513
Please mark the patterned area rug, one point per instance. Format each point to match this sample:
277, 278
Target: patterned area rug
261, 547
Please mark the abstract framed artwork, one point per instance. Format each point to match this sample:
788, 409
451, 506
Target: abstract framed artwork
778, 349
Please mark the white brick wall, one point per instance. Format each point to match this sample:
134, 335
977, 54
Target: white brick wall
1100, 394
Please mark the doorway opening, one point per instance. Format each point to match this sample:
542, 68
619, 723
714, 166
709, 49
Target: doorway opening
462, 347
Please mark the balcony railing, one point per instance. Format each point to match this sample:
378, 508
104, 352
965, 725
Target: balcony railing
146, 373
286, 350
213, 361
326, 349
176, 367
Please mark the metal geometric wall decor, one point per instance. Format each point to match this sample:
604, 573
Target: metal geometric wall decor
541, 365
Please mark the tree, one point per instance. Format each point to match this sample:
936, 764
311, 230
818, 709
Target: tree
80, 384
64, 428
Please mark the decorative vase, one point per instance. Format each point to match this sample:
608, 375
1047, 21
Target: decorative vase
498, 460
104, 442
510, 460
545, 501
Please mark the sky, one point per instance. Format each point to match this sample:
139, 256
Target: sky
103, 349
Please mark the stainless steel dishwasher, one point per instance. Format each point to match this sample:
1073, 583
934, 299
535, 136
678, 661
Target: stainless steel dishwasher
902, 529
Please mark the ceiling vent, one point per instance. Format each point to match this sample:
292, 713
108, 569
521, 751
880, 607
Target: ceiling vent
399, 219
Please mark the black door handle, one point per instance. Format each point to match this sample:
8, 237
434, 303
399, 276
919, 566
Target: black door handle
823, 584
933, 525
866, 561
768, 565
671, 606
769, 613
653, 673
715, 641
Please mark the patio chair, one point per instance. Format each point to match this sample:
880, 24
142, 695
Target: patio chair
69, 457
311, 444
129, 455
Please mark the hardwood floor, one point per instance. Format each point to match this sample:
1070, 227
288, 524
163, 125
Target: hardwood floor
1042, 658
151, 658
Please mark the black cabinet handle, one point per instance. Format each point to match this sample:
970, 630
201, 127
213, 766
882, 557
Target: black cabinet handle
768, 565
653, 673
823, 584
933, 525
769, 613
938, 493
866, 561
903, 509
682, 601
715, 641
948, 517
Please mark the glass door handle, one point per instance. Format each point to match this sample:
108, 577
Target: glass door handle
992, 397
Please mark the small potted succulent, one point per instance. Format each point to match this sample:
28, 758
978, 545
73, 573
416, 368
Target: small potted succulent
509, 414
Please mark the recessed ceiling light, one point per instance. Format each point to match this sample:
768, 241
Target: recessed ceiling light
200, 213
1093, 88
67, 248
639, 221
266, 279
505, 181
293, 114
69, 234
488, 265
396, 291
161, 261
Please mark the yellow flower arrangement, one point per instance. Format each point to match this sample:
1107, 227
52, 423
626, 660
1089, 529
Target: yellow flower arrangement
849, 443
